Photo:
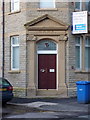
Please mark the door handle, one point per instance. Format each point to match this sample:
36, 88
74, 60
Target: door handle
42, 70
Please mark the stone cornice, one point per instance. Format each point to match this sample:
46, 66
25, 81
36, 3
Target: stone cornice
61, 28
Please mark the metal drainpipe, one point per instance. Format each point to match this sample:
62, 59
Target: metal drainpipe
3, 37
65, 73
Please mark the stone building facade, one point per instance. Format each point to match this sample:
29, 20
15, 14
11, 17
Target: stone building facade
46, 62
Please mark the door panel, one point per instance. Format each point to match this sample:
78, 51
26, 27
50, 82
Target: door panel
42, 76
47, 71
51, 71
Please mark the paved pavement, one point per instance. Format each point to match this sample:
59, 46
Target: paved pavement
53, 108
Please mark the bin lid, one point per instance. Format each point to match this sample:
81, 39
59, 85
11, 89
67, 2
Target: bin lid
82, 82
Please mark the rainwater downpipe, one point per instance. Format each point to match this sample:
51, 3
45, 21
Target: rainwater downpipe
3, 37
65, 73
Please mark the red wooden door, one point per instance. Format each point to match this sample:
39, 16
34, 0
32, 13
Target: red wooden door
47, 71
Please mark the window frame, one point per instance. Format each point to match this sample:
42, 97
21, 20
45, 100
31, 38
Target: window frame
54, 5
87, 7
83, 67
86, 46
13, 46
12, 6
81, 5
79, 45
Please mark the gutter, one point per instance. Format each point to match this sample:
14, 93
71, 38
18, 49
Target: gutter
3, 37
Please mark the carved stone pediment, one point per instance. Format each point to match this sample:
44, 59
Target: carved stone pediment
46, 22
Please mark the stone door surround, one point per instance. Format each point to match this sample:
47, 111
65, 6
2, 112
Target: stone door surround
42, 28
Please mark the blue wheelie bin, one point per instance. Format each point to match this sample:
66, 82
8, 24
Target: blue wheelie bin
83, 91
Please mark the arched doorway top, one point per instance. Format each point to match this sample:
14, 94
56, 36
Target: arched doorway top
46, 45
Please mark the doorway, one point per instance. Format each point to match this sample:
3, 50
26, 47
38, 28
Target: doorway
47, 70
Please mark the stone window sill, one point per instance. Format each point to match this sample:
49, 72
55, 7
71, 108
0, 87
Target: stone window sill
47, 9
14, 71
81, 71
14, 12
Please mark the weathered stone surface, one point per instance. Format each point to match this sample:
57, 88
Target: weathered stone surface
14, 25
